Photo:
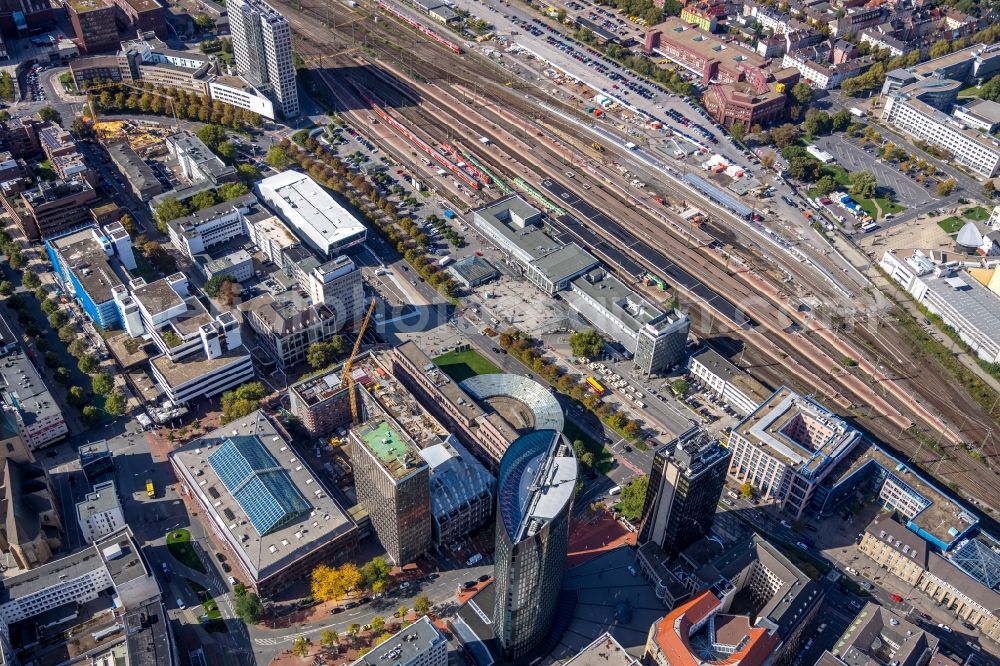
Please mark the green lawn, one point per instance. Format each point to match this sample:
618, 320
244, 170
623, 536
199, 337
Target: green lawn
968, 91
460, 365
978, 213
180, 546
951, 225
602, 457
841, 175
213, 621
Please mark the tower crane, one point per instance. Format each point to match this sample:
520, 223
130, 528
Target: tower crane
346, 376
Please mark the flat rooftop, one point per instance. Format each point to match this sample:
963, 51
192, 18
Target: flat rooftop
984, 108
266, 555
24, 389
718, 365
83, 6
407, 646
393, 450
622, 301
973, 302
942, 514
207, 161
799, 432
710, 47
148, 641
964, 55
137, 172
85, 256
462, 401
273, 229
157, 296
309, 209
189, 368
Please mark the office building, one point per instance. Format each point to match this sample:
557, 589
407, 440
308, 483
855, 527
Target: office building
210, 227
269, 235
50, 207
908, 113
735, 387
963, 581
114, 564
237, 265
146, 59
756, 612
393, 483
787, 447
322, 223
287, 324
262, 46
100, 513
420, 644
94, 24
880, 636
236, 91
81, 261
535, 487
197, 162
63, 154
657, 337
685, 484
140, 176
31, 531
264, 502
26, 399
463, 493
144, 15
604, 651
979, 114
971, 308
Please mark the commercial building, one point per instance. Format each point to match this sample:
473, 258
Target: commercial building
263, 501
81, 261
269, 235
50, 207
756, 612
31, 531
979, 114
786, 447
420, 644
144, 15
656, 337
504, 407
25, 397
685, 484
62, 153
322, 223
963, 581
879, 636
262, 46
535, 487
237, 264
140, 176
197, 162
112, 564
201, 355
816, 69
210, 227
100, 513
463, 493
604, 651
962, 302
393, 483
240, 93
750, 104
94, 24
146, 59
287, 323
908, 113
701, 53
473, 271
738, 389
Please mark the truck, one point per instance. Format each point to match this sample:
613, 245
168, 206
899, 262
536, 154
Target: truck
445, 260
855, 111
449, 213
484, 140
150, 488
631, 145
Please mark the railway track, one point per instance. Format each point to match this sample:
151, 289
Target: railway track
424, 62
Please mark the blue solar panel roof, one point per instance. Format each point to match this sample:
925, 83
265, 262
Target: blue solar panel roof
259, 484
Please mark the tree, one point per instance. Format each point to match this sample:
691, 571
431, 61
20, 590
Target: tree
400, 612
375, 574
679, 386
87, 363
801, 93
6, 86
248, 607
587, 344
278, 158
784, 135
102, 383
58, 319
300, 647
51, 358
633, 497
77, 348
170, 209
825, 185
6, 288
230, 191
226, 151
739, 131
204, 22
63, 375
422, 605
840, 120
50, 115
377, 624
241, 401
989, 189
115, 404
214, 286
30, 280
945, 187
746, 490
248, 173
16, 260
940, 48
128, 223
353, 629
818, 123
67, 333
805, 169
328, 638
90, 414
202, 200
863, 184
76, 396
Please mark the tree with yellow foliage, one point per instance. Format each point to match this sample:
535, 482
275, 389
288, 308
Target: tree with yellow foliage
331, 583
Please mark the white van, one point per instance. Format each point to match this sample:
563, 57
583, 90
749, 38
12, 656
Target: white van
615, 490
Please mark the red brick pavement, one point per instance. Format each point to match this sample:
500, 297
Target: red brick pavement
596, 534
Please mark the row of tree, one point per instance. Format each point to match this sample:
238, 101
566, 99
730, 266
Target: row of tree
332, 583
400, 231
163, 101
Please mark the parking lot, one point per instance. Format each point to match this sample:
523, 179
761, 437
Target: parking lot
852, 157
35, 92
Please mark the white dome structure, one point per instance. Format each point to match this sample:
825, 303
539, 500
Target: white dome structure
969, 237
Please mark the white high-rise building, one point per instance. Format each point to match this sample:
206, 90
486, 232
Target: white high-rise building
262, 46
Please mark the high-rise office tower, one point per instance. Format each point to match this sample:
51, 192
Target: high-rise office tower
685, 484
262, 47
534, 497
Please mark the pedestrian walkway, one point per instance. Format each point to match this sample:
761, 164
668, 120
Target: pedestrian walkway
594, 535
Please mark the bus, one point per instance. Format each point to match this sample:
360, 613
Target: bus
150, 489
595, 386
